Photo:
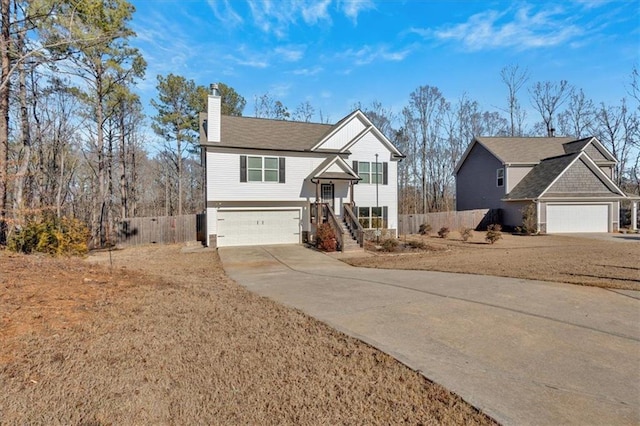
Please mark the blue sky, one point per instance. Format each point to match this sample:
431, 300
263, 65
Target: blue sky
334, 53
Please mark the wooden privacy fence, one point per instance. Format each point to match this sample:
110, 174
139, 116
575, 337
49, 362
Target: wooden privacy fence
161, 229
474, 219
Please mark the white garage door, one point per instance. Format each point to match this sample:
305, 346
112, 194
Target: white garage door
258, 227
577, 218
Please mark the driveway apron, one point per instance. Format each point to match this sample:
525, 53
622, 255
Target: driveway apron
524, 352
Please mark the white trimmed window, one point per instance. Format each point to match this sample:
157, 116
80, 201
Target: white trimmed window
373, 217
500, 177
262, 169
370, 172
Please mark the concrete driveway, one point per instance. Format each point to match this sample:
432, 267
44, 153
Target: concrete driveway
616, 237
524, 352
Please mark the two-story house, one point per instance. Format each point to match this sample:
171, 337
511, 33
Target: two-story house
569, 181
274, 181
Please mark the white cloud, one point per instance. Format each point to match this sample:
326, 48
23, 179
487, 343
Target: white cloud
276, 17
280, 90
290, 54
352, 8
248, 58
592, 4
368, 54
308, 71
517, 28
253, 63
316, 11
224, 13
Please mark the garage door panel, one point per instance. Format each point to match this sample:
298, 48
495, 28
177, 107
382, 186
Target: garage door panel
570, 218
258, 227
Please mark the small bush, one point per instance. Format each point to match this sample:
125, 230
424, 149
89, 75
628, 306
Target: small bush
466, 234
529, 220
493, 233
424, 229
416, 245
326, 238
389, 245
51, 235
443, 232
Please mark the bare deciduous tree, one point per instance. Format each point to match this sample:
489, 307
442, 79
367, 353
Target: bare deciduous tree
617, 128
265, 106
577, 119
514, 78
304, 112
547, 97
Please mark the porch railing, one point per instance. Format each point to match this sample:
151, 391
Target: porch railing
353, 223
328, 216
335, 225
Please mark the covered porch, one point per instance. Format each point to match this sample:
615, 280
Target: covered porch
334, 204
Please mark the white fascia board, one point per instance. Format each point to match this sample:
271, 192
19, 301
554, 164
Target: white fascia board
345, 121
593, 167
600, 147
380, 136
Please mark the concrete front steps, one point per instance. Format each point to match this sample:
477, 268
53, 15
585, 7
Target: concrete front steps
350, 243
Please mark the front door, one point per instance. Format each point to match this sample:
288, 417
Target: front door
326, 191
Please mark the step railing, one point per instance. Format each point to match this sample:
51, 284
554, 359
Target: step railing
353, 223
328, 216
335, 225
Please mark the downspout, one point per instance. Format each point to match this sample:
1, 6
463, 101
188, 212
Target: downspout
351, 193
538, 215
317, 182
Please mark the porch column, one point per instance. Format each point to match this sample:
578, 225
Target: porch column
634, 215
317, 203
351, 186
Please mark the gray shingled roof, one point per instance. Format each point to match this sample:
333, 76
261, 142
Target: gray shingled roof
259, 133
575, 146
524, 150
541, 176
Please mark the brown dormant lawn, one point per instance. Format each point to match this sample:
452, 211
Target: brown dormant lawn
576, 260
164, 337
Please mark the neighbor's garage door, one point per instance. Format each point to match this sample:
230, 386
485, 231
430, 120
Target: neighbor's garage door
577, 218
258, 227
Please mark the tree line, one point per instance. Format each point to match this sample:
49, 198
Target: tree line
75, 141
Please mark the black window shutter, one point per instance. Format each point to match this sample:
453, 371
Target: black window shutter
281, 171
355, 169
243, 168
385, 173
385, 215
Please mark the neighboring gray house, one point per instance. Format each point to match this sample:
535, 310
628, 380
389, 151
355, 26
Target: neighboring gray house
568, 180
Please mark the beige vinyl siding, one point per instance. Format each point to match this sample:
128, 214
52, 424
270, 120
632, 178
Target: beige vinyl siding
514, 175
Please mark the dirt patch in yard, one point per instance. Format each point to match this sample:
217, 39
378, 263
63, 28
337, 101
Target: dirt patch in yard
164, 337
576, 260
